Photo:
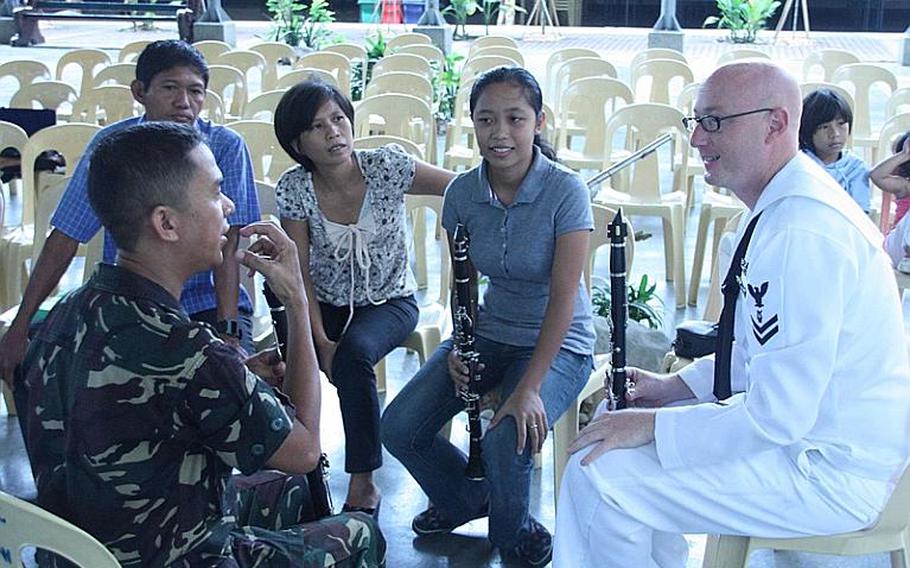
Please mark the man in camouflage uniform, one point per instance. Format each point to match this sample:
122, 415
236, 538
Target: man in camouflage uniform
137, 414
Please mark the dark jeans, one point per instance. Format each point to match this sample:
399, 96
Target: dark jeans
373, 333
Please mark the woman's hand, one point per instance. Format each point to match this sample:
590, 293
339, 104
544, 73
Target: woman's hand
526, 407
651, 390
325, 352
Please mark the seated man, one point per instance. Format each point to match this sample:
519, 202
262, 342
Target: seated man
814, 436
171, 77
137, 414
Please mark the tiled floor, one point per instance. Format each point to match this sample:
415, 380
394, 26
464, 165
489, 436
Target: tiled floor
402, 497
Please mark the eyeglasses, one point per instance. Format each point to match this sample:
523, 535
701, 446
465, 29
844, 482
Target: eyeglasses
711, 123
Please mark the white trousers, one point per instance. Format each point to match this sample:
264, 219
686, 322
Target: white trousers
626, 510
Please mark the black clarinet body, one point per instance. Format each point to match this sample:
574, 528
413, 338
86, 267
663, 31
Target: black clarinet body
317, 480
619, 308
463, 323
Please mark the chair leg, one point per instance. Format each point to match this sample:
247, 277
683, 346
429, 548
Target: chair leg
677, 224
9, 400
668, 247
379, 369
420, 248
698, 261
563, 434
724, 551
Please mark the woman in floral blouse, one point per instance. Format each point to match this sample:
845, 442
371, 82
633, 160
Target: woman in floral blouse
345, 210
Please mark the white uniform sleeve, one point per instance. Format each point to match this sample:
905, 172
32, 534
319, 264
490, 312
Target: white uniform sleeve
785, 364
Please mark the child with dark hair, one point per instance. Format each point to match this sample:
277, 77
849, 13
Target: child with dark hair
893, 175
823, 132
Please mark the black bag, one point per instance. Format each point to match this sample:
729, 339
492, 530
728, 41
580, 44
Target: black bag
695, 338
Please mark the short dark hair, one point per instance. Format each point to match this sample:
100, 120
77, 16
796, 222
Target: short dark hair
902, 170
297, 109
520, 77
134, 170
166, 54
819, 107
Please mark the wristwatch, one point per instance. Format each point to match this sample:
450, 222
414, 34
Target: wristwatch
229, 327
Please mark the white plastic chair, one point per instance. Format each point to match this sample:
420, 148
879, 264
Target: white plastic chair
27, 525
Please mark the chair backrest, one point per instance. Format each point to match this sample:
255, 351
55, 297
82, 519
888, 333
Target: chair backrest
404, 39
471, 69
353, 51
50, 191
491, 40
603, 215
263, 104
401, 82
250, 63
273, 52
399, 115
12, 136
402, 62
369, 142
656, 53
579, 68
268, 202
26, 525
230, 84
413, 203
685, 101
87, 60
898, 103
130, 52
740, 53
68, 139
861, 77
589, 103
268, 157
891, 130
715, 301
295, 76
501, 51
117, 74
661, 72
212, 107
643, 123
557, 58
429, 52
829, 60
55, 95
105, 105
335, 63
211, 49
24, 71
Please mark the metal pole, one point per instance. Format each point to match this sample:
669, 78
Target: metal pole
667, 21
431, 14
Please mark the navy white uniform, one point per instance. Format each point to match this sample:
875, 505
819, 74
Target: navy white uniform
815, 435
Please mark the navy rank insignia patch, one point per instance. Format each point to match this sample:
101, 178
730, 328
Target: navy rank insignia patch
765, 322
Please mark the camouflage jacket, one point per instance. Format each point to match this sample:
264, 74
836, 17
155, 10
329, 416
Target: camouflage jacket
137, 416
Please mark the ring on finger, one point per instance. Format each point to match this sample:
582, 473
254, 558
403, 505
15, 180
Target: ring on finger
532, 426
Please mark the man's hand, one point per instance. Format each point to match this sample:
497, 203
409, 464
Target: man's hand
652, 390
13, 345
274, 255
611, 430
267, 365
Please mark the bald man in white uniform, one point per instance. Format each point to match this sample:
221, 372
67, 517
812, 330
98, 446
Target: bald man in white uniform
817, 430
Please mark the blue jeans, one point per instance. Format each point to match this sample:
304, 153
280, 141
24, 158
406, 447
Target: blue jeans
373, 333
411, 424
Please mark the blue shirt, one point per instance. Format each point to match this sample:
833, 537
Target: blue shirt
76, 219
514, 246
851, 173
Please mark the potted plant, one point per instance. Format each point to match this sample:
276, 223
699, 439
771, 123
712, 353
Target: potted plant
445, 89
297, 24
363, 71
645, 305
461, 10
744, 18
492, 9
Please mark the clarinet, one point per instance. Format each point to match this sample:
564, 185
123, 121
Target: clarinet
464, 341
618, 383
317, 480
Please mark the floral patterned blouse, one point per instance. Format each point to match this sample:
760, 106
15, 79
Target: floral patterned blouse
367, 262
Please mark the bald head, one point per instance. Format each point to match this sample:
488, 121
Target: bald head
760, 105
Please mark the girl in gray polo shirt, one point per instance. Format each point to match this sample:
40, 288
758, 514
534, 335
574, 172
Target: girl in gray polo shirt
529, 220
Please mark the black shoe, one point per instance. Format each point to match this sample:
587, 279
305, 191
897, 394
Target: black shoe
371, 511
432, 521
535, 548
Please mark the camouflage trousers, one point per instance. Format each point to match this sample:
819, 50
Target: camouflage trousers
274, 528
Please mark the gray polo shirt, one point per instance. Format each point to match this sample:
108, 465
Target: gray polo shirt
514, 247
